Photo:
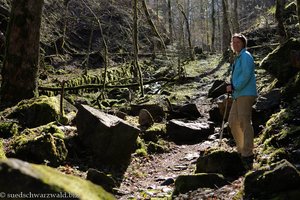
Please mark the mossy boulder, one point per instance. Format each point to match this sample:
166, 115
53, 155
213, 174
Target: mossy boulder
153, 147
185, 183
39, 145
155, 132
36, 111
292, 89
17, 176
283, 128
223, 162
285, 137
275, 181
156, 110
8, 129
100, 178
278, 62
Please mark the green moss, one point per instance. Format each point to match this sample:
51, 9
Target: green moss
157, 127
37, 111
33, 133
286, 136
38, 148
43, 101
141, 147
2, 153
272, 155
8, 129
156, 148
141, 152
58, 182
275, 122
292, 88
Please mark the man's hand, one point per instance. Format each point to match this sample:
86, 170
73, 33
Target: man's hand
229, 88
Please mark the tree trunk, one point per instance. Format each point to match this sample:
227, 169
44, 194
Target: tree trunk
135, 45
170, 21
279, 17
207, 28
102, 95
21, 62
235, 17
162, 44
298, 8
213, 25
191, 49
226, 29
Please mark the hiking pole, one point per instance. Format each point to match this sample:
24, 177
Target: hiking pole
224, 116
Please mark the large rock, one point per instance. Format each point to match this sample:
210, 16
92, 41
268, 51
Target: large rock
217, 89
22, 178
266, 105
222, 162
109, 138
100, 178
39, 145
8, 128
189, 131
292, 89
156, 111
279, 62
185, 183
39, 111
187, 111
36, 111
281, 179
145, 119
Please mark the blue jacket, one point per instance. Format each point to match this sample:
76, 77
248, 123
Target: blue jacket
243, 78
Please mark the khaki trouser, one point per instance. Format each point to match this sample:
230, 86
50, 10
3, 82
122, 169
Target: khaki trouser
240, 124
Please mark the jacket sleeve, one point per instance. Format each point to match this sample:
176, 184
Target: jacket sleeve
246, 68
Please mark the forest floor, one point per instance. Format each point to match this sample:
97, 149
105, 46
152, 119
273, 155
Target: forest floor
145, 178
153, 177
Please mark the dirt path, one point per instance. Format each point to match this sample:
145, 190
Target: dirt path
154, 176
145, 177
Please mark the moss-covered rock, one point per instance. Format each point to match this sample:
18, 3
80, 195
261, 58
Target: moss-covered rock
100, 178
185, 183
278, 64
37, 111
287, 136
273, 181
223, 162
141, 148
271, 155
8, 129
39, 145
292, 88
155, 132
153, 147
279, 121
43, 180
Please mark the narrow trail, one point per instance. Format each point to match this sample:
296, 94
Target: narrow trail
153, 176
147, 176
